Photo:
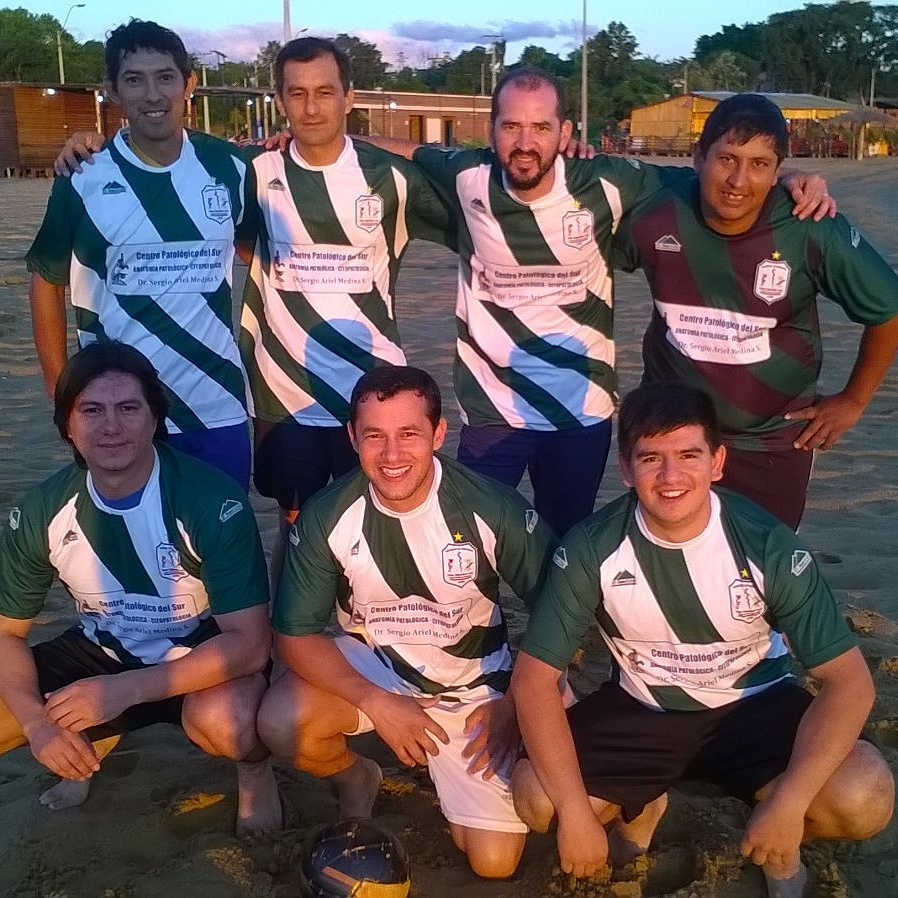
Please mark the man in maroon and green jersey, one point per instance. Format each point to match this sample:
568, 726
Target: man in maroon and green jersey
735, 278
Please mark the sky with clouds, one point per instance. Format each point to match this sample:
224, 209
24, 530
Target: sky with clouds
418, 31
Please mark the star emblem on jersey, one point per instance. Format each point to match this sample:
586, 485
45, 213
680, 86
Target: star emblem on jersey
772, 280
369, 212
576, 228
168, 560
776, 254
746, 604
229, 508
15, 515
530, 519
111, 188
560, 557
623, 578
459, 564
800, 560
457, 536
217, 202
668, 244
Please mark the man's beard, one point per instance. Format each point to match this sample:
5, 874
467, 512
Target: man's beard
542, 168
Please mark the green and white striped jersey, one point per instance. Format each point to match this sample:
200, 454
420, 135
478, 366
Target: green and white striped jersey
534, 310
690, 625
144, 579
420, 588
148, 253
319, 305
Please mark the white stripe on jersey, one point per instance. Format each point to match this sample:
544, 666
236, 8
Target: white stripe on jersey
612, 194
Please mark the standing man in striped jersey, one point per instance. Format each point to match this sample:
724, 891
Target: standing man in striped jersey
319, 307
144, 238
699, 596
534, 365
735, 279
161, 555
410, 551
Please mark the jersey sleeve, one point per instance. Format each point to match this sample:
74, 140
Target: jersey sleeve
232, 565
50, 254
307, 591
634, 180
624, 249
851, 273
524, 548
428, 216
25, 570
442, 167
248, 223
567, 603
800, 602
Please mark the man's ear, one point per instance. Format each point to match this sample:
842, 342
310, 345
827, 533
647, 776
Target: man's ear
190, 86
352, 438
439, 434
626, 471
567, 129
718, 460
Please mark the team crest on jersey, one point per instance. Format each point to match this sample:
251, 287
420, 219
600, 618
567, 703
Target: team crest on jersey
530, 519
15, 516
576, 227
369, 211
668, 244
217, 202
800, 560
772, 280
746, 604
168, 559
459, 564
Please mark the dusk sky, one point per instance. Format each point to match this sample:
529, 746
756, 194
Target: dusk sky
417, 30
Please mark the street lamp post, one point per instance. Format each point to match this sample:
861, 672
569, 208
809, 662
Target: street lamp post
65, 22
583, 79
393, 107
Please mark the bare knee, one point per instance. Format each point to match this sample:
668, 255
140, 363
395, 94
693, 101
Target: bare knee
222, 720
530, 800
280, 717
491, 855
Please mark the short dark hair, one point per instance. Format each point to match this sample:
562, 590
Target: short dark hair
530, 77
654, 409
141, 35
305, 49
386, 381
745, 116
95, 360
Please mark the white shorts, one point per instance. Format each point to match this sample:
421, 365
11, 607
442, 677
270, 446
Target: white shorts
465, 800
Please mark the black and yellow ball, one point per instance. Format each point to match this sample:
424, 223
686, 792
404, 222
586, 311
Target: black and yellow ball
355, 858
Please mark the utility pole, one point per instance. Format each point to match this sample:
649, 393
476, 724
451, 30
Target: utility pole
59, 31
583, 82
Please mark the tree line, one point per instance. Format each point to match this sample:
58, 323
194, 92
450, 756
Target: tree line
845, 50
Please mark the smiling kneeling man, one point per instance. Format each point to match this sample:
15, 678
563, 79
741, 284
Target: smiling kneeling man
699, 595
161, 555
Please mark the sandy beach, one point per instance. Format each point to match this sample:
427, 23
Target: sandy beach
159, 820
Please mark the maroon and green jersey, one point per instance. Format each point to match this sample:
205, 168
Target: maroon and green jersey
736, 316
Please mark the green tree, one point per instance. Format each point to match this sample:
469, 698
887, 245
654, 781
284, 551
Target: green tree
368, 67
28, 46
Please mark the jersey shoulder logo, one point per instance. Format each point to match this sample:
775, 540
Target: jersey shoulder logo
70, 537
216, 202
369, 212
800, 560
531, 517
623, 578
229, 508
746, 604
478, 204
668, 244
276, 184
855, 237
772, 278
111, 188
293, 535
560, 557
459, 564
168, 560
576, 227
15, 516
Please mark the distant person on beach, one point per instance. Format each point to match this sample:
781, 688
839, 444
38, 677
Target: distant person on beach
735, 278
535, 370
161, 555
409, 551
699, 595
144, 239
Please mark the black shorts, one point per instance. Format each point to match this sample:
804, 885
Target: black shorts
71, 656
293, 461
630, 755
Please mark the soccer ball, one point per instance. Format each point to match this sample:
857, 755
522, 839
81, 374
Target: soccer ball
355, 858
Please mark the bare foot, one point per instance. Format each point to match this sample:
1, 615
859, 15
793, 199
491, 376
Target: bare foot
357, 787
626, 841
793, 887
258, 803
65, 794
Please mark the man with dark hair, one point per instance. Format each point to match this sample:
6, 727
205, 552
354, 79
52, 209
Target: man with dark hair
319, 306
145, 240
735, 279
161, 555
534, 366
699, 596
410, 550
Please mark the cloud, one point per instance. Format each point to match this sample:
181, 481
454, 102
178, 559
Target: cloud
511, 31
238, 42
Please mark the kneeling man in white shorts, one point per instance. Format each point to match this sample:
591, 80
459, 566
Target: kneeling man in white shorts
410, 548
